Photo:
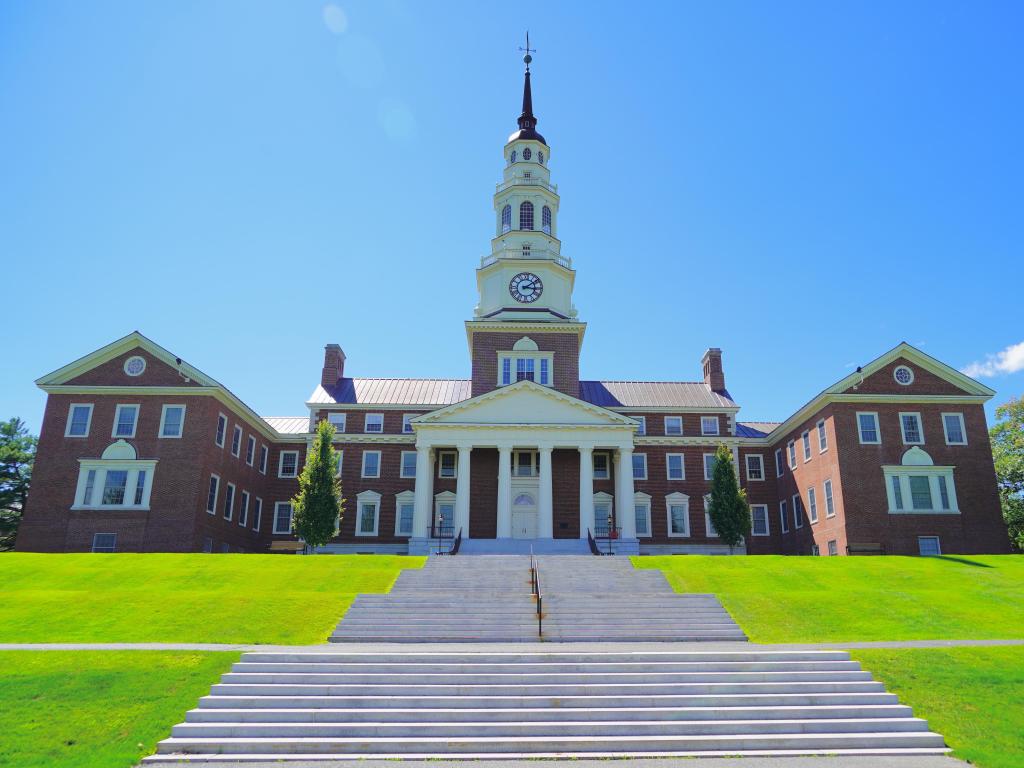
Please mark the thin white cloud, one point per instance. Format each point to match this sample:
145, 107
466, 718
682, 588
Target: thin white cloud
1010, 360
335, 19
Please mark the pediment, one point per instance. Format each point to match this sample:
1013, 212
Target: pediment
525, 403
930, 377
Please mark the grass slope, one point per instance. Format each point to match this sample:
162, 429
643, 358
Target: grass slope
96, 709
184, 598
780, 599
972, 696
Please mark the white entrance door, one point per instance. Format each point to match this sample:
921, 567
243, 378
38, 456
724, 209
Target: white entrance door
524, 515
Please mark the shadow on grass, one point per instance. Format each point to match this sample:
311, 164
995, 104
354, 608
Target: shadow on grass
963, 560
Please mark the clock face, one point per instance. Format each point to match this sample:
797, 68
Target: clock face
526, 287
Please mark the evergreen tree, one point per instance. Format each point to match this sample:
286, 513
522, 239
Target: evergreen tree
729, 510
1007, 436
17, 454
319, 506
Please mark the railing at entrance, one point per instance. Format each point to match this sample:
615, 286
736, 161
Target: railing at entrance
441, 534
538, 594
593, 544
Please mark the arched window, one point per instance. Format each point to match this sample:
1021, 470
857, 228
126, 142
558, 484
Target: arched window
545, 220
506, 218
513, 156
526, 215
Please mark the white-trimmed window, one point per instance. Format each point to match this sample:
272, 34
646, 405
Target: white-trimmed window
642, 511
126, 419
791, 449
172, 421
639, 466
867, 428
798, 511
755, 466
79, 420
953, 427
339, 459
408, 468
709, 425
229, 501
118, 480
903, 375
530, 365
104, 542
779, 466
709, 465
367, 513
337, 420
282, 517
243, 508
250, 450
374, 422
815, 550
822, 436
709, 527
407, 422
759, 520
602, 465
784, 516
448, 464
405, 505
929, 546
642, 429
677, 505
812, 505
833, 547
211, 495
675, 466
257, 513
444, 513
673, 425
602, 513
830, 505
917, 489
222, 430
525, 463
910, 426
805, 438
236, 441
288, 464
371, 464
263, 459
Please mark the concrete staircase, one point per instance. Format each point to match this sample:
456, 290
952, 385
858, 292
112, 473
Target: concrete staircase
322, 705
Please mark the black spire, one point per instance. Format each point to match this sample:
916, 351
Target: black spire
527, 122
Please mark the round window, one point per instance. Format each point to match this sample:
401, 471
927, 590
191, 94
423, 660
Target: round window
903, 375
527, 154
134, 366
512, 157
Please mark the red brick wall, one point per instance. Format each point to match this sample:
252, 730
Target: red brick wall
565, 493
566, 365
881, 382
111, 373
655, 422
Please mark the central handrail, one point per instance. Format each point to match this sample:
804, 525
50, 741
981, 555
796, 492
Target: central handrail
537, 592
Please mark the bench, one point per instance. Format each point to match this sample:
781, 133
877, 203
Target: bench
287, 546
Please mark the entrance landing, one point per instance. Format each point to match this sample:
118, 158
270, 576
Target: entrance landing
524, 547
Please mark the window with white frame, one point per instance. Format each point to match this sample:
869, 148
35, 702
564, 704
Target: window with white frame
784, 516
229, 501
339, 459
822, 437
506, 217
709, 425
642, 429
867, 429
444, 513
337, 420
368, 513
371, 464
759, 520
779, 466
755, 466
815, 550
211, 495
673, 425
806, 439
812, 505
953, 427
117, 480
374, 422
288, 464
222, 429
531, 366
919, 489
448, 464
602, 466
524, 464
407, 422
79, 420
642, 512
405, 505
125, 420
172, 421
602, 514
910, 425
236, 441
408, 468
282, 517
798, 511
709, 527
709, 465
639, 466
263, 459
104, 542
675, 466
791, 449
677, 505
257, 513
928, 546
243, 508
830, 505
526, 215
250, 450
833, 547
545, 220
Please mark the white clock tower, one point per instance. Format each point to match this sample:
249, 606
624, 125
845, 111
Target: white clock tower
526, 277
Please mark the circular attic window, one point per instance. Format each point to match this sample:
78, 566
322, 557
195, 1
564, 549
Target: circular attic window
135, 366
903, 375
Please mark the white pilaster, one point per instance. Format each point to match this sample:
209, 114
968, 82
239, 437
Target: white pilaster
545, 512
462, 491
624, 514
586, 489
504, 491
423, 502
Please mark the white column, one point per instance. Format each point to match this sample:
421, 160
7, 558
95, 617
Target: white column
423, 503
504, 491
545, 512
462, 492
586, 489
624, 514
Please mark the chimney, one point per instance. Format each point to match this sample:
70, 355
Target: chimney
714, 377
334, 366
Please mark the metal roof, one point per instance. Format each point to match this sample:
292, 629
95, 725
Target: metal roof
288, 425
653, 394
394, 392
755, 428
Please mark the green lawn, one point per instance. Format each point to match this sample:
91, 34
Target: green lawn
972, 696
96, 709
843, 599
193, 598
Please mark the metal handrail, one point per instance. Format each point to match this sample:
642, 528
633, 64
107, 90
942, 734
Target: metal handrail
458, 543
594, 550
538, 594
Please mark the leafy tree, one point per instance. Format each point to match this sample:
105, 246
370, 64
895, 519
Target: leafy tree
729, 510
1007, 436
17, 454
319, 506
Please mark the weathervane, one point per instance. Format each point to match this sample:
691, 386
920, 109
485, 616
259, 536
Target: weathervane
527, 58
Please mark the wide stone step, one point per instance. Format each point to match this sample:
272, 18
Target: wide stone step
656, 668
533, 657
541, 678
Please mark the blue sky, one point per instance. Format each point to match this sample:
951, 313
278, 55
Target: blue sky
803, 184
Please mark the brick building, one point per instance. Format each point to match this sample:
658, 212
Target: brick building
140, 451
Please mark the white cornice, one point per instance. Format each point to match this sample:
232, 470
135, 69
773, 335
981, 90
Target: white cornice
625, 409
